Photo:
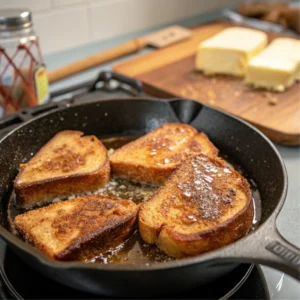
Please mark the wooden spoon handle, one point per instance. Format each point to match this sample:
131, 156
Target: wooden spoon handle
97, 59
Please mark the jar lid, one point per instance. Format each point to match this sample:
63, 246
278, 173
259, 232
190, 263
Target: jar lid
14, 19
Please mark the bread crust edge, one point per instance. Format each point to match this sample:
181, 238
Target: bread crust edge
42, 192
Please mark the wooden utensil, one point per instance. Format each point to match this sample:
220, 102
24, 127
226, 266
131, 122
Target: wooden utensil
170, 72
159, 39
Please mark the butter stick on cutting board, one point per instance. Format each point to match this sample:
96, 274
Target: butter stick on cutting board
277, 67
229, 51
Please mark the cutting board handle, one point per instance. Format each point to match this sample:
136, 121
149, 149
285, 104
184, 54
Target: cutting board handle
97, 59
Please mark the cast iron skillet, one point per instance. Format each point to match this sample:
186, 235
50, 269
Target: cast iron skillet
136, 117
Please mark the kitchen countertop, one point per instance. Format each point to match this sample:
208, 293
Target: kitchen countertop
281, 286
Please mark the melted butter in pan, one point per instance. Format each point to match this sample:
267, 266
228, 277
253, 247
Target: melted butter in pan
133, 251
124, 189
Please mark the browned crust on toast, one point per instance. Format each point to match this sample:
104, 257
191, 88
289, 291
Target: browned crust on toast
43, 192
40, 192
139, 173
153, 168
91, 246
115, 221
202, 144
168, 234
175, 244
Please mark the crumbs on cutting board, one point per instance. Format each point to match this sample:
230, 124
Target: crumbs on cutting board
272, 100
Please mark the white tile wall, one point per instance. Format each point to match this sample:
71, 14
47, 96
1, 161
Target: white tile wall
63, 24
117, 17
62, 28
57, 3
34, 5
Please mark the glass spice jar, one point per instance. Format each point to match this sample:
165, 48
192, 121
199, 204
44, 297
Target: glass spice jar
23, 77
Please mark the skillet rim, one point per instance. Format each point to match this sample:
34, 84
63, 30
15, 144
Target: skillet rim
177, 263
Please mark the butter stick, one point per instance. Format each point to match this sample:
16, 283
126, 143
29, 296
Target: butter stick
291, 48
277, 67
229, 51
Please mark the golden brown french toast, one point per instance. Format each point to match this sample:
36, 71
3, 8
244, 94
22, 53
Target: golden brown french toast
204, 205
79, 228
68, 164
153, 157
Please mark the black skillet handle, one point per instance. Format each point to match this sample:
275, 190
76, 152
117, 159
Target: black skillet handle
267, 247
287, 252
281, 254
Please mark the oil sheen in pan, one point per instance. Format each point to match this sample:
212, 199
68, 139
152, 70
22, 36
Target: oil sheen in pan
134, 250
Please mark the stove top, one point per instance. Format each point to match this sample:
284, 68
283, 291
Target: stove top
20, 281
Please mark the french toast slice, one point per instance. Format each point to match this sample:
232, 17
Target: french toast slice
80, 228
153, 157
68, 164
204, 205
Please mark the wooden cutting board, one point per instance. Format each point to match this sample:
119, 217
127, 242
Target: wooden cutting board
170, 72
